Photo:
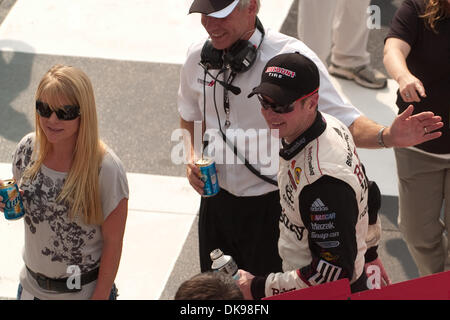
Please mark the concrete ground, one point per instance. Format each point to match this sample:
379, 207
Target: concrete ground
133, 53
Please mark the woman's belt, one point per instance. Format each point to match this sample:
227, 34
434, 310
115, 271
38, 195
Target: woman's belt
61, 285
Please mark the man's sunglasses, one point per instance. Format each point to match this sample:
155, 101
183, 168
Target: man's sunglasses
275, 107
281, 108
63, 113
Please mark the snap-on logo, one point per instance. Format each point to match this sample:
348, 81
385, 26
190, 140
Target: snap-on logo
281, 71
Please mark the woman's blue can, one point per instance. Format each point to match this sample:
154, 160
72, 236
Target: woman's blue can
12, 199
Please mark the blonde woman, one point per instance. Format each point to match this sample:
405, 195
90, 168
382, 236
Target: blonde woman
417, 56
75, 195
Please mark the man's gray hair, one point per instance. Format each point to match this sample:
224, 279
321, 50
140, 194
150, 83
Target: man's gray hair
246, 3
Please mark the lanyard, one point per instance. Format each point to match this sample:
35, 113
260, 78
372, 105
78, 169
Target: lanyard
226, 107
226, 98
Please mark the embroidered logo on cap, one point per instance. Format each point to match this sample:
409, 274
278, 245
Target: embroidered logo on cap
278, 72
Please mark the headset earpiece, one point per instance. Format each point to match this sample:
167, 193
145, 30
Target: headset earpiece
241, 56
211, 57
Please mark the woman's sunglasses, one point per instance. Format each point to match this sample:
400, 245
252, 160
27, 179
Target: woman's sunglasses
63, 113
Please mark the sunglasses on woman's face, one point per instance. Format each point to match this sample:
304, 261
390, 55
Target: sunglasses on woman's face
64, 113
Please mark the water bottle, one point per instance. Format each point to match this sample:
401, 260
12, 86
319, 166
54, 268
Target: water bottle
224, 263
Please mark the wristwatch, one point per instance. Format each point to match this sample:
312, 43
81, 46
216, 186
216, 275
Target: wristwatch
380, 138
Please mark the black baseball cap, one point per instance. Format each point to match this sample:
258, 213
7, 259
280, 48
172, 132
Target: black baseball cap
214, 8
288, 77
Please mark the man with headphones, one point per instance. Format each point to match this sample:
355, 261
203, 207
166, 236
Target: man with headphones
242, 219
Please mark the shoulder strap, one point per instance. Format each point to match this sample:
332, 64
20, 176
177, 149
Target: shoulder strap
247, 164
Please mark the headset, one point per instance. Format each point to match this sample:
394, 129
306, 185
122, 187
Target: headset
239, 58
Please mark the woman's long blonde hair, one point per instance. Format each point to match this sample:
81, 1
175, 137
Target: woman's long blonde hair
435, 10
81, 187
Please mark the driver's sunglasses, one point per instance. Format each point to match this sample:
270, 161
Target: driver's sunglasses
64, 113
281, 108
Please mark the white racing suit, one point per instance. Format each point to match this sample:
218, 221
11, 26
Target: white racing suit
324, 219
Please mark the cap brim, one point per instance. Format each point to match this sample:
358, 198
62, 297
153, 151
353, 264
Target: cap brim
276, 93
225, 11
197, 7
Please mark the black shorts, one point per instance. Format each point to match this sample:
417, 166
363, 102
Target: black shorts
245, 228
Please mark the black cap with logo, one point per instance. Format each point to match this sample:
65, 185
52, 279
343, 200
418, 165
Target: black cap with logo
288, 77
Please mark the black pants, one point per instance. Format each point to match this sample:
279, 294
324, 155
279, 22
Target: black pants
245, 228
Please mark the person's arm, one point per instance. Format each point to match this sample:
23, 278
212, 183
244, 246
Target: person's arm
365, 131
395, 53
113, 230
19, 163
192, 171
332, 234
190, 112
189, 140
405, 131
374, 228
373, 237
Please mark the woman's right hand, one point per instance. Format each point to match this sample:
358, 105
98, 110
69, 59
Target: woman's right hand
411, 89
193, 175
2, 205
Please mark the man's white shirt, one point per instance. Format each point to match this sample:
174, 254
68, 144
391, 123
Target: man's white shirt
245, 115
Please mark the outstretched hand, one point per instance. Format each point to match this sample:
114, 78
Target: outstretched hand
409, 130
